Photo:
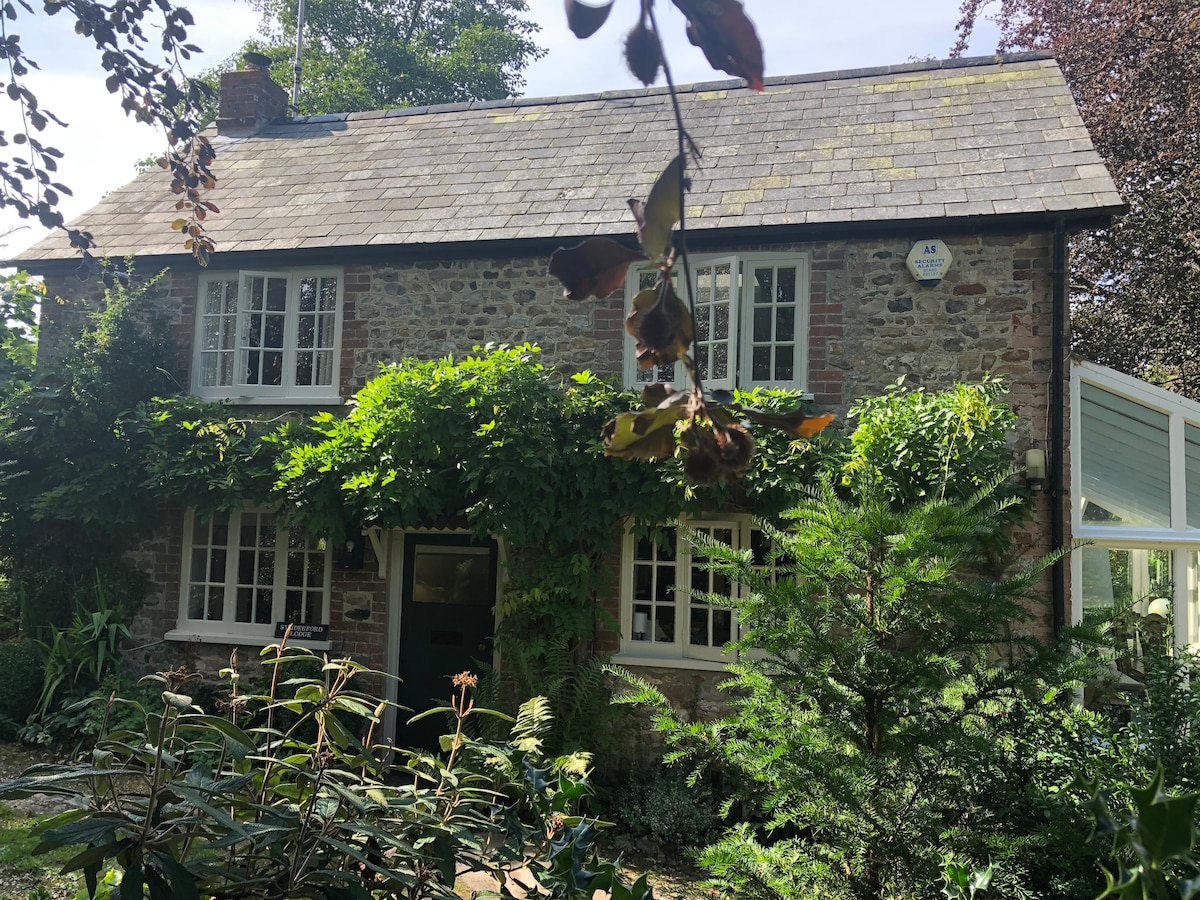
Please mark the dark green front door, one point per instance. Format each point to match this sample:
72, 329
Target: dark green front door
447, 618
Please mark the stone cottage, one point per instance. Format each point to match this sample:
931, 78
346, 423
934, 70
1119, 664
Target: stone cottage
347, 240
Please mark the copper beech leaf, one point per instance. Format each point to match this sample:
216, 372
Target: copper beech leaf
715, 452
649, 434
726, 35
594, 268
796, 423
585, 19
658, 215
660, 325
643, 54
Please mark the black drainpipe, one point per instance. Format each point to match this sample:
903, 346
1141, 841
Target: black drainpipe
1058, 408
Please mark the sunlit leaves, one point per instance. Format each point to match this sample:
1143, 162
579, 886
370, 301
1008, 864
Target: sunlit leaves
595, 268
658, 215
722, 30
585, 19
661, 326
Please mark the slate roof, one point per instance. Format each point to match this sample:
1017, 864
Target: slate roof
924, 141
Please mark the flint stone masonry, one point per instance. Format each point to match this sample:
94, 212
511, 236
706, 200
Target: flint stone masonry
428, 310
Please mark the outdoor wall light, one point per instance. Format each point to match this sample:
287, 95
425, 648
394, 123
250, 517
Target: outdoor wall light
1035, 469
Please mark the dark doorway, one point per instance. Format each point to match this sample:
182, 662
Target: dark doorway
447, 622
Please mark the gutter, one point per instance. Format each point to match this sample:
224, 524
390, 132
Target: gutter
1058, 409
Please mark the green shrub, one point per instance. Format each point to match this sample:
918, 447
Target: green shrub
241, 805
21, 675
656, 802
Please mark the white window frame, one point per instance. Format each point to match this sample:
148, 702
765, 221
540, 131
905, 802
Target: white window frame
741, 338
679, 653
288, 390
228, 630
1177, 539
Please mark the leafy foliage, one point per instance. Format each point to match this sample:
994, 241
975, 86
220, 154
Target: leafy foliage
1155, 830
916, 445
389, 53
72, 461
1131, 66
19, 297
195, 804
21, 674
152, 91
889, 698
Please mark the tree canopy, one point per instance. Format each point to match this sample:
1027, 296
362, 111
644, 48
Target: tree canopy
379, 54
1132, 66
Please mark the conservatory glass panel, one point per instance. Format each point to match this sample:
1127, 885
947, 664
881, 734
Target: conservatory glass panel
1191, 464
1126, 466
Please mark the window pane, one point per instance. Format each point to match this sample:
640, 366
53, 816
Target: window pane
785, 324
762, 286
664, 625
1116, 581
786, 292
1191, 464
1125, 461
784, 368
304, 369
328, 299
196, 595
761, 367
308, 294
762, 324
272, 368
277, 294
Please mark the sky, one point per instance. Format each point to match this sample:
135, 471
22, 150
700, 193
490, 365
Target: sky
799, 36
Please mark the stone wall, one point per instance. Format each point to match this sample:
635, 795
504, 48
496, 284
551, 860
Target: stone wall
869, 324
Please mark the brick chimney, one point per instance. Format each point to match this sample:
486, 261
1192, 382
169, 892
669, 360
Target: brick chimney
249, 100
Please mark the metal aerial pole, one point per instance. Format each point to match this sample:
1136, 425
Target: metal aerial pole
296, 65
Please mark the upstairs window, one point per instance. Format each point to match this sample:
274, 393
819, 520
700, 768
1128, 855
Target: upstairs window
751, 322
264, 336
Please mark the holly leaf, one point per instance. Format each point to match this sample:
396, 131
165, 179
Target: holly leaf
796, 423
594, 268
649, 434
726, 35
585, 19
658, 215
660, 324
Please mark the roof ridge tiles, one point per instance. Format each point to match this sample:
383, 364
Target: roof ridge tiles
700, 86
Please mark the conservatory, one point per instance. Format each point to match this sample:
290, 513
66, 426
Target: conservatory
1135, 478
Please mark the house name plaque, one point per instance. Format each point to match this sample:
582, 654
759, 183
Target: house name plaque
303, 632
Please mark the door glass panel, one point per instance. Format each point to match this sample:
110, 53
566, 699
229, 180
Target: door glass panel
457, 575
